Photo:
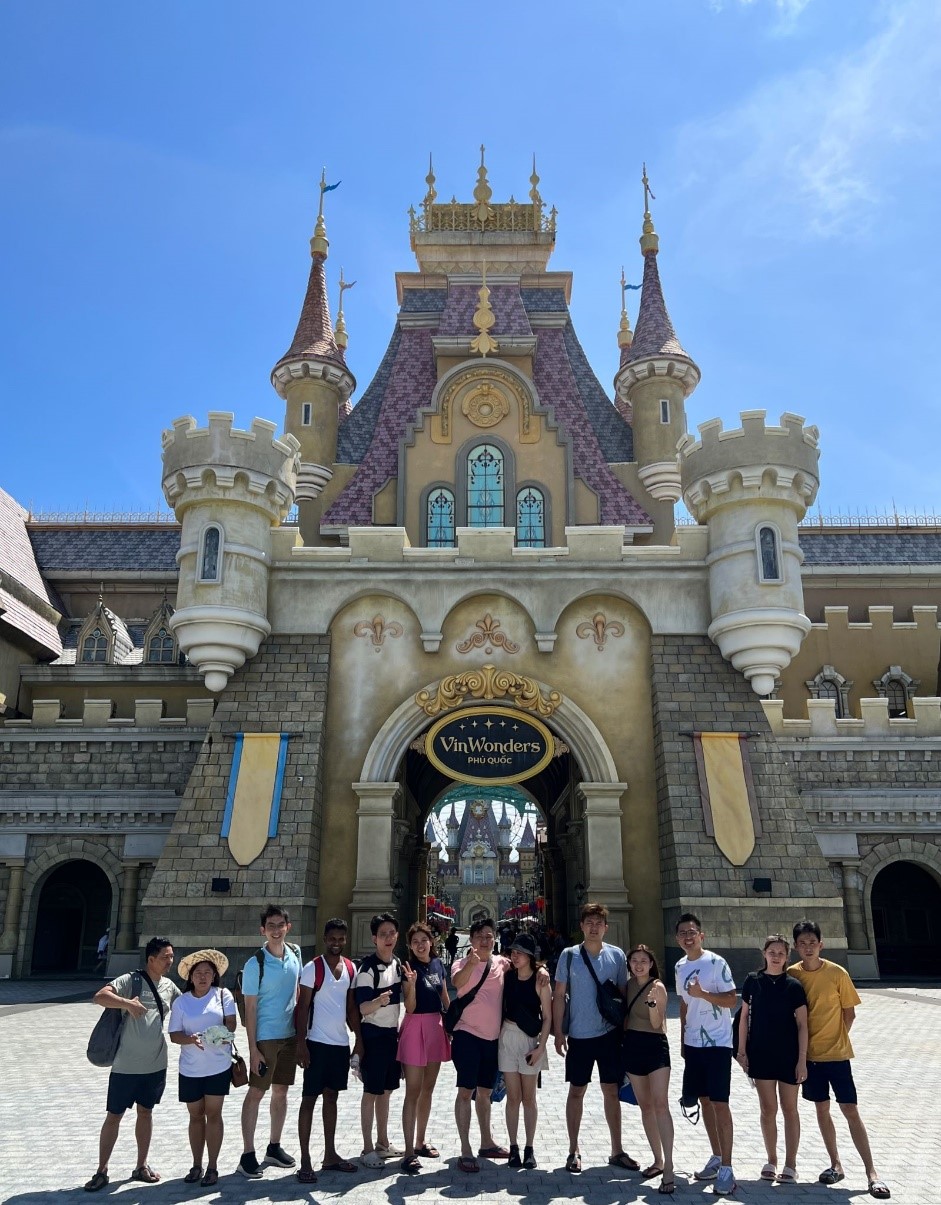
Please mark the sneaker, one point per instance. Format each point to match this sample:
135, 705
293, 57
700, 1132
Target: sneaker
514, 1159
725, 1182
277, 1155
249, 1167
373, 1160
710, 1171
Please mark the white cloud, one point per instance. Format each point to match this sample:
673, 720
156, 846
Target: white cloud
787, 11
814, 152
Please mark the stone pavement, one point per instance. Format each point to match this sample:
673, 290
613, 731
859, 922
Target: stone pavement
52, 1105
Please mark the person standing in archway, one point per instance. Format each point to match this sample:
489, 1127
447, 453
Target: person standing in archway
139, 1072
101, 965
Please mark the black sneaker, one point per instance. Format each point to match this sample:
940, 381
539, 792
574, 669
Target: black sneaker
514, 1159
249, 1167
277, 1155
529, 1159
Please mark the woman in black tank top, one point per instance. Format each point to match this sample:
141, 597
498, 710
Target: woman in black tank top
527, 1019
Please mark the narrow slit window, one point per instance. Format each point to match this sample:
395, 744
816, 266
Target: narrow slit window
769, 557
210, 563
440, 518
664, 410
305, 414
530, 518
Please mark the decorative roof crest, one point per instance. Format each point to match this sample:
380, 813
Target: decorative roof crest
625, 334
340, 333
484, 318
649, 242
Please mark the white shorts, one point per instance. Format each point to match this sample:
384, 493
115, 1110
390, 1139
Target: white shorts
513, 1049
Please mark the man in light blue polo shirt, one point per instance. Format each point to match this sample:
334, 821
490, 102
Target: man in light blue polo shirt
269, 985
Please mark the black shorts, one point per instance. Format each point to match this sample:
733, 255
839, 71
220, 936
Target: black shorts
475, 1060
820, 1077
195, 1087
381, 1070
126, 1091
707, 1072
645, 1052
583, 1053
329, 1068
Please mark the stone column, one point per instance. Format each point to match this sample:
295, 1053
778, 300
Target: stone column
127, 921
372, 891
853, 903
421, 878
9, 939
604, 860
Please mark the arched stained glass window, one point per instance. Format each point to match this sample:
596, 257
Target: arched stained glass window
769, 559
161, 649
440, 518
210, 566
95, 647
530, 518
485, 479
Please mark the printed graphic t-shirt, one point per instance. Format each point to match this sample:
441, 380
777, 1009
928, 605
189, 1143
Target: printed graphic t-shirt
829, 990
706, 1024
373, 978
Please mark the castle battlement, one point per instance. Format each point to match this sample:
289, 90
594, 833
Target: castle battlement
822, 721
99, 713
881, 618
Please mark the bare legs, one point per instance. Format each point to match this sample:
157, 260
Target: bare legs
769, 1093
857, 1133
462, 1117
416, 1108
277, 1108
717, 1118
652, 1092
375, 1107
521, 1089
305, 1121
612, 1114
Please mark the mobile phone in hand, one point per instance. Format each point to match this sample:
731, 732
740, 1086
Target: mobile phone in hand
262, 1069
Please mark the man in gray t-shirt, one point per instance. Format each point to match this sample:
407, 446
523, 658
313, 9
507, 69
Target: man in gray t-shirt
139, 1072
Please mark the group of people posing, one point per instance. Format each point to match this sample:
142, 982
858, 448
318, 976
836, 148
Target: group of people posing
392, 1018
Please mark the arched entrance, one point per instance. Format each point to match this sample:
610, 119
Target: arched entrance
74, 911
906, 920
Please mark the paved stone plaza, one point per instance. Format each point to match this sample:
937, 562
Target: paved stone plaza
53, 1103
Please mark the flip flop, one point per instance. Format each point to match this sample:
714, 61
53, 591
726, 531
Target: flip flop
651, 1172
623, 1159
830, 1176
467, 1163
493, 1152
97, 1182
194, 1175
306, 1175
344, 1165
879, 1189
667, 1187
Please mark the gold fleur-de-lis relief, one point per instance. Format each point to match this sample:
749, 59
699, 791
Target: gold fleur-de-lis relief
377, 629
488, 637
598, 629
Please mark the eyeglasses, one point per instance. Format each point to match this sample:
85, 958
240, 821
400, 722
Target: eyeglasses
688, 932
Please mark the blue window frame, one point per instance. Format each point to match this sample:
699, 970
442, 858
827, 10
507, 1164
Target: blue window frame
440, 518
485, 481
530, 518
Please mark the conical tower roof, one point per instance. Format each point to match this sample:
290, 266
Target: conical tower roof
654, 334
314, 338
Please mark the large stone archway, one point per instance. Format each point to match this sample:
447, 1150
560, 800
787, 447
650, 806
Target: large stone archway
379, 791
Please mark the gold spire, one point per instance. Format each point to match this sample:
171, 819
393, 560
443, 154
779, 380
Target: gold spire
340, 333
484, 317
648, 240
319, 244
482, 192
431, 194
535, 197
625, 334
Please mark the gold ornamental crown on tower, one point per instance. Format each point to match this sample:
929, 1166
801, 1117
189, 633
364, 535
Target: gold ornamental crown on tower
479, 215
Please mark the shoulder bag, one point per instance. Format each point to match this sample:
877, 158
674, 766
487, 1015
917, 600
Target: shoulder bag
607, 995
456, 1008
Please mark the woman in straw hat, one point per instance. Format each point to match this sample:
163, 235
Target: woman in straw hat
205, 1068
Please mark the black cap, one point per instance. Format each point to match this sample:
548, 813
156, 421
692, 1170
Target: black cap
526, 943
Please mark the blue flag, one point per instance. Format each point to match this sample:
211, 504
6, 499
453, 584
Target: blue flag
331, 187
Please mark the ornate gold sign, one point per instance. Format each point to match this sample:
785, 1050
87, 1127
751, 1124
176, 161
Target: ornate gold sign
489, 745
488, 682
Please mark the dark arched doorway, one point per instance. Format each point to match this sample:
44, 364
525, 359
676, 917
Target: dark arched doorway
906, 920
74, 910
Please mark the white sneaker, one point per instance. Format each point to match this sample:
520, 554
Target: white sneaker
710, 1171
373, 1159
725, 1182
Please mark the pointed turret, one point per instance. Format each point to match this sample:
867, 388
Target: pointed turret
314, 381
430, 835
656, 376
505, 827
453, 826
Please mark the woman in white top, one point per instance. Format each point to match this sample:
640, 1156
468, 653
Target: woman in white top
205, 1065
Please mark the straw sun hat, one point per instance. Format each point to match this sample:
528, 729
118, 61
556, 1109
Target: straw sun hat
216, 957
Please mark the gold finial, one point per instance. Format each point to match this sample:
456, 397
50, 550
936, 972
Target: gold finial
482, 193
535, 197
648, 240
431, 194
625, 334
342, 337
484, 317
319, 244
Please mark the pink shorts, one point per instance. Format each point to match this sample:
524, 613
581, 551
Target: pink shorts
422, 1040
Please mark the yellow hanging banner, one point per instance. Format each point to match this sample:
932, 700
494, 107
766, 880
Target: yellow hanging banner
254, 797
725, 784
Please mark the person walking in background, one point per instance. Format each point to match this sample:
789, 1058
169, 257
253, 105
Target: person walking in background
772, 1051
521, 1054
378, 991
423, 1044
139, 1072
590, 1039
450, 946
326, 1014
647, 1060
269, 985
205, 1065
101, 965
707, 993
831, 1011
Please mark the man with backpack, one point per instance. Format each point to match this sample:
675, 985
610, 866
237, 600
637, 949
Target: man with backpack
139, 1070
378, 993
326, 1013
269, 987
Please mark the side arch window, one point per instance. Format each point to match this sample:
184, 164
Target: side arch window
439, 518
530, 518
769, 554
210, 554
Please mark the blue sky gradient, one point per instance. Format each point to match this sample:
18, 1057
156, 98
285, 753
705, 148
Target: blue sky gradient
158, 187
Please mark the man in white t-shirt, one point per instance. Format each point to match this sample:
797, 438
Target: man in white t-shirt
707, 994
326, 1014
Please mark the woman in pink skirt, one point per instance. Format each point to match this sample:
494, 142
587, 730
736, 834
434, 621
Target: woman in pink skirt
423, 1044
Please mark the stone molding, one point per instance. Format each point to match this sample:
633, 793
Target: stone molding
662, 480
97, 713
760, 642
822, 723
218, 639
680, 369
297, 369
865, 810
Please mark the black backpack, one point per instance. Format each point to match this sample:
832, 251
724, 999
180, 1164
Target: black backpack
105, 1038
239, 996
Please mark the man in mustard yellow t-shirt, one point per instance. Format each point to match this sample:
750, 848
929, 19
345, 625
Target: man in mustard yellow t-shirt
831, 1010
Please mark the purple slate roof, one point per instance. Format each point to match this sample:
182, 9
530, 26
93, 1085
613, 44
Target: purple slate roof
654, 334
18, 561
457, 318
314, 338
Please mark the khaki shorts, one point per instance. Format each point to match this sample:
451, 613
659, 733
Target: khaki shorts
513, 1049
280, 1055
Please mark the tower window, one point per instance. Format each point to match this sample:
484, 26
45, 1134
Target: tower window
898, 687
485, 479
664, 410
530, 518
210, 561
440, 518
162, 648
95, 647
769, 555
305, 414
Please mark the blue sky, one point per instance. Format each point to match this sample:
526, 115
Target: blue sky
158, 171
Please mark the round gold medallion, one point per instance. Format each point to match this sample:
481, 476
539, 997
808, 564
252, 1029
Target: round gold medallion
485, 406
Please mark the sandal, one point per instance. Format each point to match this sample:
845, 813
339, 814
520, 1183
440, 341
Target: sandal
830, 1176
410, 1165
427, 1152
667, 1187
211, 1177
787, 1176
306, 1175
879, 1189
623, 1159
145, 1174
768, 1172
467, 1163
194, 1175
97, 1182
574, 1162
343, 1165
493, 1152
650, 1172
